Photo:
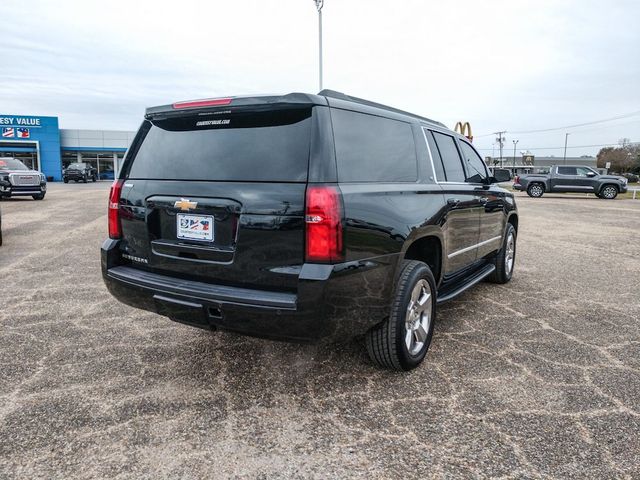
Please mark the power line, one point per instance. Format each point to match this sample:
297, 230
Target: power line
570, 146
594, 122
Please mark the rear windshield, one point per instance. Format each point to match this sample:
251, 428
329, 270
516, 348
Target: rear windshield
258, 146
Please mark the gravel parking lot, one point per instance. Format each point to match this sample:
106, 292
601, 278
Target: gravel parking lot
538, 378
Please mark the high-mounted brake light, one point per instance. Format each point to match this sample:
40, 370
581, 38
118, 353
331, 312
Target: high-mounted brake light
115, 228
323, 218
207, 102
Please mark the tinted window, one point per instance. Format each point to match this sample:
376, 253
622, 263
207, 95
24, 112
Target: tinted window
476, 169
435, 156
584, 171
264, 146
567, 171
450, 157
373, 149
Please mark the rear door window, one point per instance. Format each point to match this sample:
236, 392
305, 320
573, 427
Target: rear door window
450, 157
270, 146
373, 149
567, 171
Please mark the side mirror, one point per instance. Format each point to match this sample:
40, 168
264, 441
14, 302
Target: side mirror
501, 175
591, 174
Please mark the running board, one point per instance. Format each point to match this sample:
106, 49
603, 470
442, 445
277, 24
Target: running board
477, 277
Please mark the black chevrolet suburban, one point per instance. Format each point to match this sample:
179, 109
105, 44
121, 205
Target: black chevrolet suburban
305, 217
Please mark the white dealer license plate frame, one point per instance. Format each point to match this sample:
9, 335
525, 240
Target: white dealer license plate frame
194, 227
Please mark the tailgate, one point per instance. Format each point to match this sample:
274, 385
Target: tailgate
220, 202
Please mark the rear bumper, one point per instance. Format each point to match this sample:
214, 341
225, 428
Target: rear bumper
519, 187
332, 302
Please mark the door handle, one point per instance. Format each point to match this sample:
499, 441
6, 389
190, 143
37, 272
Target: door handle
453, 201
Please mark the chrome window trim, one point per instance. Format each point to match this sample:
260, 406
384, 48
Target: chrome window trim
477, 245
433, 167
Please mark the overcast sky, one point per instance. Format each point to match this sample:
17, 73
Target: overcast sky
502, 65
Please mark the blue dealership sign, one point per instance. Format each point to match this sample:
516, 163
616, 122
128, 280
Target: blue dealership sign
23, 133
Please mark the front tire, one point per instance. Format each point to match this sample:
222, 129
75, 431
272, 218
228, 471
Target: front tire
609, 192
506, 258
38, 197
401, 341
93, 179
535, 190
84, 179
65, 180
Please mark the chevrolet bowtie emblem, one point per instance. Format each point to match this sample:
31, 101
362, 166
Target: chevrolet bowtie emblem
185, 204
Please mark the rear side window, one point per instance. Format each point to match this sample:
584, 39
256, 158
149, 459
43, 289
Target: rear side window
435, 156
476, 169
567, 171
450, 157
252, 146
373, 149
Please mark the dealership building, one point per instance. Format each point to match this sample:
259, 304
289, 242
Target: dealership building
40, 144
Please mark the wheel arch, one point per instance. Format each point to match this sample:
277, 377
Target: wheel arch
427, 248
606, 184
513, 220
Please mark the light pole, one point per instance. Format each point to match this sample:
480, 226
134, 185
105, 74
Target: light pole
515, 142
564, 159
319, 5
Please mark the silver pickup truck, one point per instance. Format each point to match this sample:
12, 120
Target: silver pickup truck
571, 178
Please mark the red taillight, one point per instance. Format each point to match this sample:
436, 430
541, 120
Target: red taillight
115, 229
207, 102
323, 218
516, 179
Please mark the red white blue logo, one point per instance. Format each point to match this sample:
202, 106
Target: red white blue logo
8, 132
23, 132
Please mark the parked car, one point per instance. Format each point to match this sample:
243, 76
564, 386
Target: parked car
631, 177
16, 179
304, 218
79, 172
571, 178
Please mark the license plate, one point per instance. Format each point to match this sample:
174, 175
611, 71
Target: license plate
195, 227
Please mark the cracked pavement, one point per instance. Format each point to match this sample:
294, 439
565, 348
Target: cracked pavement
539, 378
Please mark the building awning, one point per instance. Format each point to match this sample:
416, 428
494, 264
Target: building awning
93, 149
19, 146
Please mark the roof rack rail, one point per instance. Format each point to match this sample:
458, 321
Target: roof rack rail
349, 98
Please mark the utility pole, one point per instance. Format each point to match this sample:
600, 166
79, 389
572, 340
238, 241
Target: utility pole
564, 160
500, 140
319, 5
515, 142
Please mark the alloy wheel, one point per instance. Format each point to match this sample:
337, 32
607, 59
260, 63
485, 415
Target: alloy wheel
510, 254
609, 192
418, 318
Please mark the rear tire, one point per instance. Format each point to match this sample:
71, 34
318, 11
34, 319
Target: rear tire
608, 192
505, 260
401, 341
535, 190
